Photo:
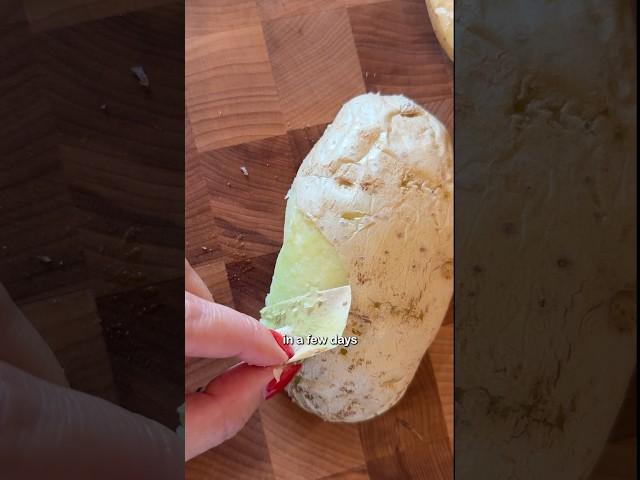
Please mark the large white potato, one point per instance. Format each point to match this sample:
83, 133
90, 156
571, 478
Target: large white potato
371, 207
542, 367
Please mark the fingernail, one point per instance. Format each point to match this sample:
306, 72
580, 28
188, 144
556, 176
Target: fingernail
288, 349
276, 386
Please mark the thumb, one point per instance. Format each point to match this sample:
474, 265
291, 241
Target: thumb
227, 403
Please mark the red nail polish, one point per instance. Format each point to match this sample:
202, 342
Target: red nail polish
288, 349
277, 386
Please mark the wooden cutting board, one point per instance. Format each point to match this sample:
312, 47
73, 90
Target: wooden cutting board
91, 191
263, 79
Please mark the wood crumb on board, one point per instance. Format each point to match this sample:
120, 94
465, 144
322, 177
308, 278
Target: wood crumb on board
141, 75
131, 233
408, 426
244, 171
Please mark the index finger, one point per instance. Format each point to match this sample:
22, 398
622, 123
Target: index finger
215, 331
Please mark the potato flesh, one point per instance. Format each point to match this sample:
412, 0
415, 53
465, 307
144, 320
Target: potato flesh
307, 261
322, 315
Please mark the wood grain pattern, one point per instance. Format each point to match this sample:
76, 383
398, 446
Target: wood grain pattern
72, 328
118, 145
250, 282
303, 140
410, 441
44, 14
315, 65
214, 275
358, 473
140, 327
230, 92
205, 16
416, 419
399, 52
200, 230
201, 244
249, 209
307, 58
441, 356
270, 10
244, 457
36, 209
443, 110
91, 188
290, 432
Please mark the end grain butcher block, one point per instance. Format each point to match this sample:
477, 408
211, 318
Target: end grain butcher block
263, 79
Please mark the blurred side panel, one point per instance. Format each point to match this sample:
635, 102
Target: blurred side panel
91, 234
545, 235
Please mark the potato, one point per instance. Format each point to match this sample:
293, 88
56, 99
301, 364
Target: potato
314, 321
441, 16
546, 206
371, 207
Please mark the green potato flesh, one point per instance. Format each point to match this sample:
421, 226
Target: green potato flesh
319, 314
310, 293
307, 261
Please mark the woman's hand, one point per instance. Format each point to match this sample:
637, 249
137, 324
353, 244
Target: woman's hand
214, 331
48, 430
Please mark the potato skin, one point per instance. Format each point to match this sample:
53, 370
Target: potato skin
441, 16
379, 186
545, 330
